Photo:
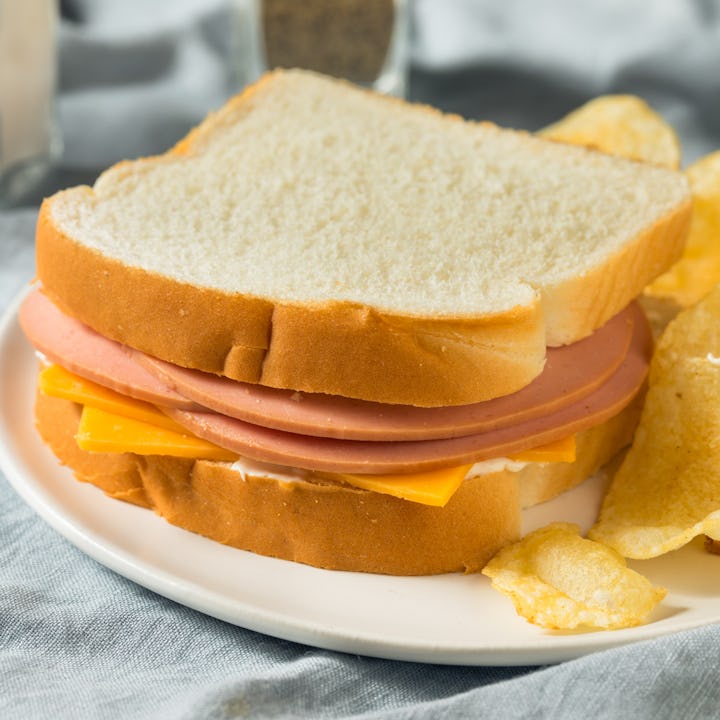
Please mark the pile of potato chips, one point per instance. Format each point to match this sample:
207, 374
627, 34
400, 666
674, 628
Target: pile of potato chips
667, 489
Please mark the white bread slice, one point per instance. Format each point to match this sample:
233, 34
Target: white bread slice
325, 524
315, 236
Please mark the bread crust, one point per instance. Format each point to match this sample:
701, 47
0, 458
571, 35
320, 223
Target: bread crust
324, 524
573, 309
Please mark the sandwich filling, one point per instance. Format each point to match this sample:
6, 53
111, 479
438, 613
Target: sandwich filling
421, 454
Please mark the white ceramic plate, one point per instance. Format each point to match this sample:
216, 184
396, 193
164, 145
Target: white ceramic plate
451, 619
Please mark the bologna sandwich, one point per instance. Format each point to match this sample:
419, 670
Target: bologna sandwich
344, 330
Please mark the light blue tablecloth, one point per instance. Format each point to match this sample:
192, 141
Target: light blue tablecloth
78, 641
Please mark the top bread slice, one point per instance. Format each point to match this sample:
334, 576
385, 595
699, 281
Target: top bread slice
315, 236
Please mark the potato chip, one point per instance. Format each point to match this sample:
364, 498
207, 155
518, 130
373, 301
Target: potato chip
698, 270
621, 125
667, 490
561, 581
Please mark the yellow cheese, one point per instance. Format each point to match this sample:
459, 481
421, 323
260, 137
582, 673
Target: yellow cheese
102, 431
434, 487
59, 382
562, 450
112, 422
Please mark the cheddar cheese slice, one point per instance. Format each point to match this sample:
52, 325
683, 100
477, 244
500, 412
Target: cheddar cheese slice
562, 450
434, 487
56, 381
102, 431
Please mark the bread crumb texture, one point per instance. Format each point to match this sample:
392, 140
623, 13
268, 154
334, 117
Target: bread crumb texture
306, 190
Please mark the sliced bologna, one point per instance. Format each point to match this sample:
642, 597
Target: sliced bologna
571, 373
81, 350
356, 456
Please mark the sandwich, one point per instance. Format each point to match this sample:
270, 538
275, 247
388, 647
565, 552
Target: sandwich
349, 331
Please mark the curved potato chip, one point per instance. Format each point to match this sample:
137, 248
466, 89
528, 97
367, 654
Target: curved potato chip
667, 490
559, 580
698, 270
621, 125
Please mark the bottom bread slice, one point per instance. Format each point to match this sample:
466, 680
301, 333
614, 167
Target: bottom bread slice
325, 524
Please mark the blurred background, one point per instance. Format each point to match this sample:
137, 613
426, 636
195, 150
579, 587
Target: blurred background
132, 77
